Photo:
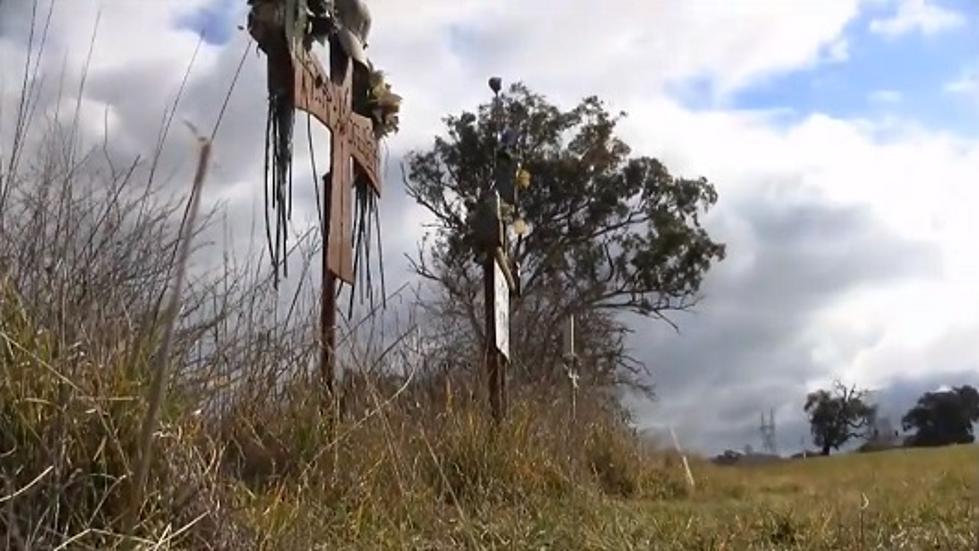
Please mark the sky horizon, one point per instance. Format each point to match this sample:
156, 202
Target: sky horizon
842, 137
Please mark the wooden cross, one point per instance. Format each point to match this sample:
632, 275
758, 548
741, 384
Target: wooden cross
330, 100
283, 32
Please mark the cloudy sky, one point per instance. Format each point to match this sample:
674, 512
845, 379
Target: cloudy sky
843, 138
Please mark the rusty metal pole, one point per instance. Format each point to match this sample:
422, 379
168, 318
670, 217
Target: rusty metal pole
503, 365
328, 328
492, 355
328, 306
494, 247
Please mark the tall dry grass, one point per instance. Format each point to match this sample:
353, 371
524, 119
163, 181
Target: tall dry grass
248, 452
233, 444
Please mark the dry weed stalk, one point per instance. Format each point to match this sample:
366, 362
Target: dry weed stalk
157, 390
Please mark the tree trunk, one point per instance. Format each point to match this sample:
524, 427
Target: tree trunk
826, 449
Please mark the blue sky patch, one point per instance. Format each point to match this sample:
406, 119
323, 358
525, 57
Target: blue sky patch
216, 20
904, 77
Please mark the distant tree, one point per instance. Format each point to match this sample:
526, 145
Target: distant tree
611, 233
944, 417
836, 416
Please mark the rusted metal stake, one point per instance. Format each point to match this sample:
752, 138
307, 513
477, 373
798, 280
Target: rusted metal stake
328, 331
497, 362
328, 306
493, 367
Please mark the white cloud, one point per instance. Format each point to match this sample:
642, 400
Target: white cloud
839, 51
923, 16
916, 186
967, 85
915, 183
888, 97
584, 47
964, 85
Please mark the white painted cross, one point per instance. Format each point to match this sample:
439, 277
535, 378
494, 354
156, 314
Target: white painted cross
572, 366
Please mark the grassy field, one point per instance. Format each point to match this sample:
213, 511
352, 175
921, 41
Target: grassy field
904, 499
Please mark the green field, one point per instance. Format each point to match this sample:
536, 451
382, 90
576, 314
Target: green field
903, 499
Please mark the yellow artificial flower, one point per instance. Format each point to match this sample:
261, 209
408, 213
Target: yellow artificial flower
523, 179
520, 226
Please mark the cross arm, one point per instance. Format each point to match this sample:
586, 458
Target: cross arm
330, 104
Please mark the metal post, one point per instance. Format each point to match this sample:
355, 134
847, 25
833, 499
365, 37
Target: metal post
328, 326
328, 307
574, 391
328, 330
502, 365
683, 456
574, 388
493, 369
495, 361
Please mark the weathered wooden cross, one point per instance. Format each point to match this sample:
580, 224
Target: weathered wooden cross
285, 29
330, 100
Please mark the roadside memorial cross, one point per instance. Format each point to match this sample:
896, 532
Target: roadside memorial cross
351, 100
354, 102
330, 101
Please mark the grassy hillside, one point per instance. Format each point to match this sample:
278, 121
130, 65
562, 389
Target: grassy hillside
266, 474
250, 453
